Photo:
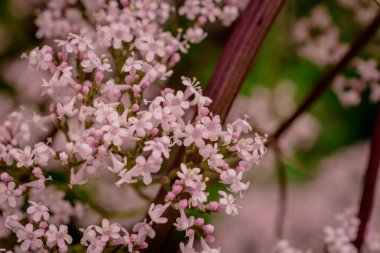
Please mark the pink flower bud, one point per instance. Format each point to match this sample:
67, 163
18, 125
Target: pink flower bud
60, 55
37, 171
116, 94
240, 169
136, 90
235, 135
199, 222
170, 196
80, 96
143, 245
182, 204
43, 224
135, 107
208, 228
212, 206
85, 90
64, 64
204, 111
22, 188
8, 125
154, 131
133, 237
78, 87
175, 58
125, 2
209, 238
190, 232
102, 150
5, 177
144, 84
128, 79
202, 20
177, 189
51, 108
98, 77
168, 90
13, 142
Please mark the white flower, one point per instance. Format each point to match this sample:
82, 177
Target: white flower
42, 154
234, 180
120, 33
117, 165
207, 249
108, 231
143, 230
151, 47
159, 147
38, 211
227, 202
24, 157
67, 109
182, 222
195, 135
190, 176
144, 167
155, 212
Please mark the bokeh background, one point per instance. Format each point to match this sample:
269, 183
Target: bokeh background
325, 152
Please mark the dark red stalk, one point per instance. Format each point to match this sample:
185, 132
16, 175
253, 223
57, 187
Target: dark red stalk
241, 49
239, 53
323, 84
369, 187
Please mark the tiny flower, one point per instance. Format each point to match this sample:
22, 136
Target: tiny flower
29, 237
59, 238
38, 211
155, 212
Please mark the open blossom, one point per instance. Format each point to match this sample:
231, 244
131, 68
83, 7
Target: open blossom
30, 238
108, 230
227, 202
155, 212
58, 237
37, 211
9, 193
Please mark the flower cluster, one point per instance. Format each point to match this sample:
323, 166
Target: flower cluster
318, 38
338, 239
104, 77
320, 42
364, 75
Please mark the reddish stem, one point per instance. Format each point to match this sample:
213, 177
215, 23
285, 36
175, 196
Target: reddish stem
239, 53
230, 73
369, 187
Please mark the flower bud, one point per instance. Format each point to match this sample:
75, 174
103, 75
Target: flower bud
199, 221
208, 228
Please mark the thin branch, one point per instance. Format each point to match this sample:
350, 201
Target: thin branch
230, 73
323, 84
369, 187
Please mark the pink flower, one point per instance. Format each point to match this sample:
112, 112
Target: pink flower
9, 193
59, 238
30, 238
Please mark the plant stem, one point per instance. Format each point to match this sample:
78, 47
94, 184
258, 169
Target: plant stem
323, 84
234, 64
369, 187
239, 53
